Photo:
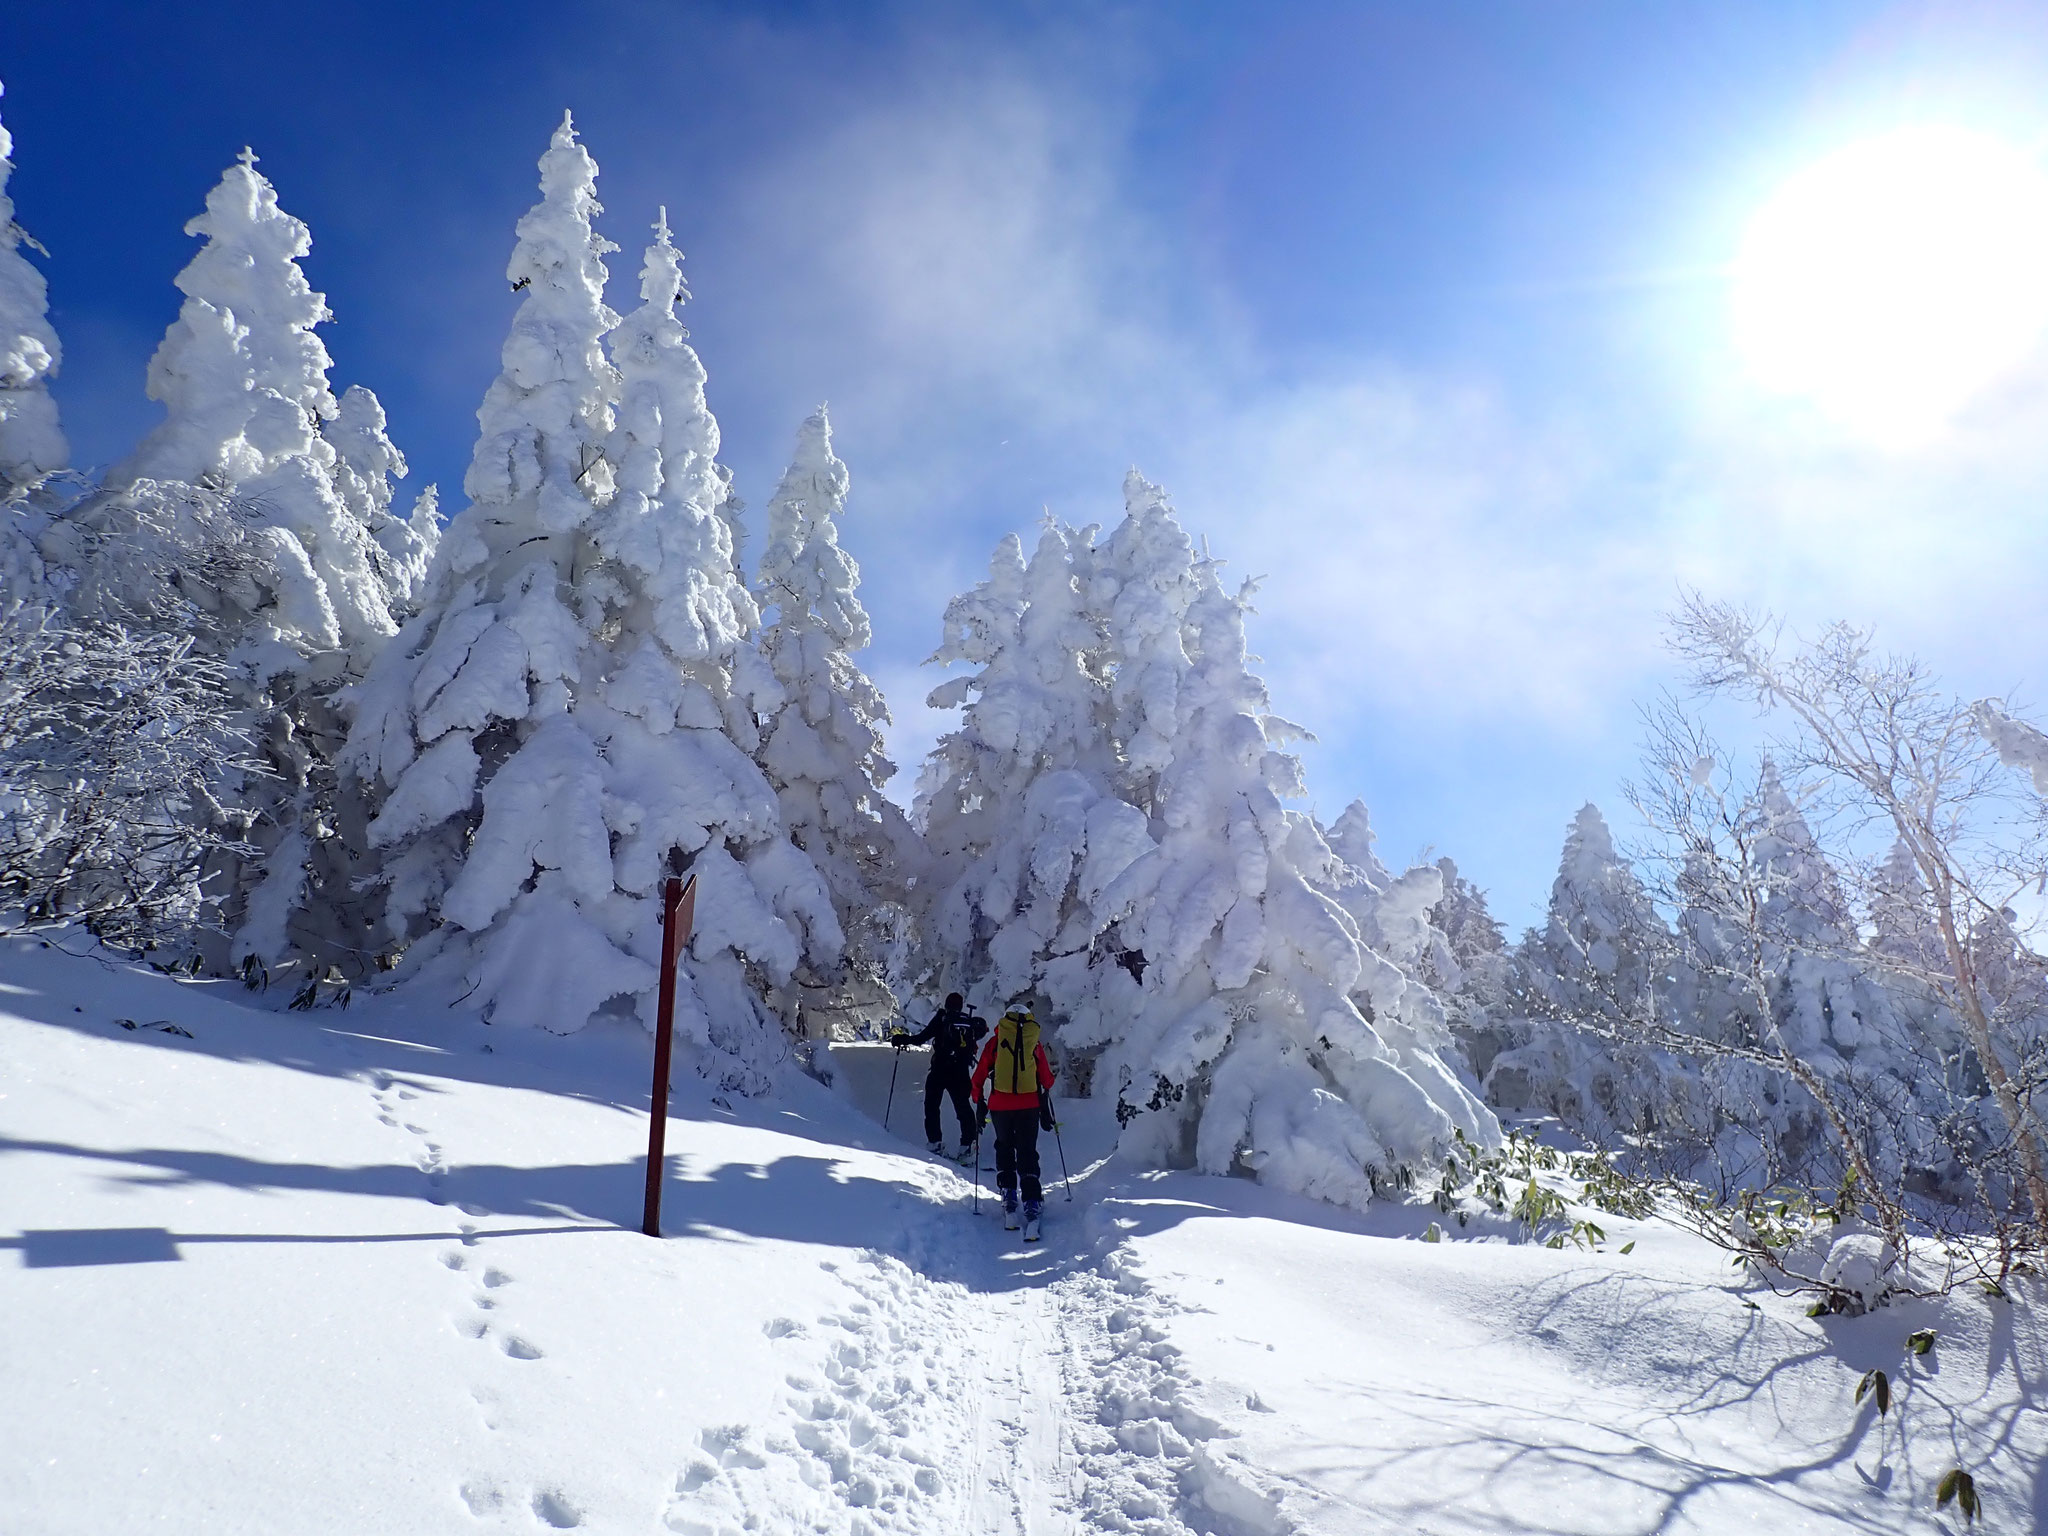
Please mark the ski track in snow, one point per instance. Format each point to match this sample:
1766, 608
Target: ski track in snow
973, 1384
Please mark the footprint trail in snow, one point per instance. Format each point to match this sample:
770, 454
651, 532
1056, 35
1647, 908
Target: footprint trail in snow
972, 1385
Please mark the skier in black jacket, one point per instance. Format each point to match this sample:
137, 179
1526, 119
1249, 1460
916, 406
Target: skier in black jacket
953, 1034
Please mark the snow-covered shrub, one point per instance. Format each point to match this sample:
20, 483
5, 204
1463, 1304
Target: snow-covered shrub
108, 741
573, 712
1112, 832
1863, 1269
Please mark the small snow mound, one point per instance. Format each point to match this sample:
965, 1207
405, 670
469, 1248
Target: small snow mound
1863, 1269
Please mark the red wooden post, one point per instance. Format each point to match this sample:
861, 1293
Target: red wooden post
678, 912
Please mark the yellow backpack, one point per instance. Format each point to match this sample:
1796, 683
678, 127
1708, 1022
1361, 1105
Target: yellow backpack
1017, 1038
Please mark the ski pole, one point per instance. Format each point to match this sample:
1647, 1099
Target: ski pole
1066, 1183
891, 1105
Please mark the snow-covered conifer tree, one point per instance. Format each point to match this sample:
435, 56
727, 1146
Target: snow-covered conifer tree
555, 731
1248, 1047
1131, 865
1602, 953
1021, 803
822, 748
365, 463
1467, 961
243, 380
31, 442
291, 586
954, 800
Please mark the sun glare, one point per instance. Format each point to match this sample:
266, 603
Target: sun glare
1895, 280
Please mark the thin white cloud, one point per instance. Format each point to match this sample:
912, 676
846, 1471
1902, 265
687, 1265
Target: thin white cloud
968, 273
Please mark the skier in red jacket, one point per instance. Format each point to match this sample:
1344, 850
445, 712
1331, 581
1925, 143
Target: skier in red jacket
1014, 1066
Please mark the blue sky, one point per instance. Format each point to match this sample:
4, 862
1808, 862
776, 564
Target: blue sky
1420, 312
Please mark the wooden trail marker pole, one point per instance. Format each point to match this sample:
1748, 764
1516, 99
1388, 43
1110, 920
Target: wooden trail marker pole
678, 913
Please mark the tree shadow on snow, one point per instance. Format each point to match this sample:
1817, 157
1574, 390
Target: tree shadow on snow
606, 1063
798, 1199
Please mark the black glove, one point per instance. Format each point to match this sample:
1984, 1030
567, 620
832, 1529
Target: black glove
1045, 1119
897, 1038
980, 1118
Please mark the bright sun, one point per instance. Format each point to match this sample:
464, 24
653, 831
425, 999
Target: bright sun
1893, 281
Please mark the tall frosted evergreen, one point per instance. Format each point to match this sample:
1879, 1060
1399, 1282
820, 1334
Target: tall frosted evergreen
557, 729
31, 441
242, 377
1114, 841
240, 522
822, 747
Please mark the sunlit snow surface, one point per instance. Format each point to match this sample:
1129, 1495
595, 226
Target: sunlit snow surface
350, 1272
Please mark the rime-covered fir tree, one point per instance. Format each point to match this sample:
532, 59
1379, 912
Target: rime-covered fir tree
1467, 962
1268, 1034
1116, 793
366, 461
822, 747
1603, 953
238, 521
243, 381
556, 731
1020, 803
31, 442
32, 445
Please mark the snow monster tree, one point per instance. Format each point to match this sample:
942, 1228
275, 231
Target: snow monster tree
1192, 938
573, 713
822, 747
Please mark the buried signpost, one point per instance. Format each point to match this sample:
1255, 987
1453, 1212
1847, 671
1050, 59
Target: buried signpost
678, 910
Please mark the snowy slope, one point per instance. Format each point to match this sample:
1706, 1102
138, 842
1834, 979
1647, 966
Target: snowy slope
355, 1272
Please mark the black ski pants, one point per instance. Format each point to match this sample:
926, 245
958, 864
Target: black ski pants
940, 1083
1017, 1151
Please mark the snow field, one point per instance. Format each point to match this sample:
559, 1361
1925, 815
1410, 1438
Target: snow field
1477, 1385
299, 1273
344, 1272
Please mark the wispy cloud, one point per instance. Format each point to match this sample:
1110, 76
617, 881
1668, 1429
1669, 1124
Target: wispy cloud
1003, 322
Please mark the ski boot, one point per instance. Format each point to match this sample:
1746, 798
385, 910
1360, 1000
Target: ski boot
936, 1148
965, 1155
1032, 1211
1009, 1211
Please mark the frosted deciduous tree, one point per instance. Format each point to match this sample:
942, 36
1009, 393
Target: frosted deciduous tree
107, 738
1883, 749
31, 441
555, 731
822, 747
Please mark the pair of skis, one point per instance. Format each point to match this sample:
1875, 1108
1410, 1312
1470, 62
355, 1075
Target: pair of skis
1032, 1224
